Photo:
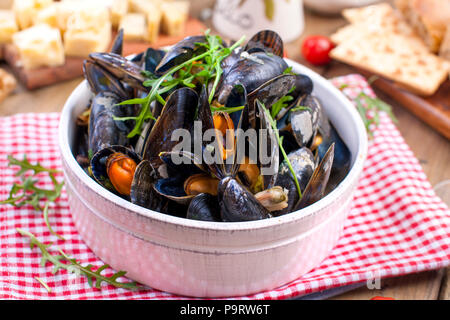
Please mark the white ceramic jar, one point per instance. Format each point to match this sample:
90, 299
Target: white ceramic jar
234, 18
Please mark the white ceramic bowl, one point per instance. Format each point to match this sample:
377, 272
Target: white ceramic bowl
211, 259
336, 6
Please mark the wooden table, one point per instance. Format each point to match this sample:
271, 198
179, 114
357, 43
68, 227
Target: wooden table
432, 150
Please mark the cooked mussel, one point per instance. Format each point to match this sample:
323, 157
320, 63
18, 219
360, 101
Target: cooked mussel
178, 113
304, 119
180, 52
239, 204
204, 207
303, 164
315, 189
251, 71
265, 41
114, 168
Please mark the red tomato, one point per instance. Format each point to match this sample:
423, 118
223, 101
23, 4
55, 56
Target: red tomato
316, 49
382, 298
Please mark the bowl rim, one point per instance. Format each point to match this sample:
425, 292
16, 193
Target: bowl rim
349, 180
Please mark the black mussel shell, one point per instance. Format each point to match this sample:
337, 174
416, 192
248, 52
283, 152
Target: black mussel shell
303, 164
237, 203
251, 71
315, 190
117, 46
304, 119
178, 113
101, 80
266, 41
122, 68
204, 207
104, 131
179, 53
303, 85
152, 58
342, 158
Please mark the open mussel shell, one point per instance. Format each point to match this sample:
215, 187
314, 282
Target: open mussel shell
178, 113
238, 204
268, 93
99, 164
122, 68
268, 149
303, 164
304, 119
342, 157
303, 85
104, 131
315, 190
204, 207
101, 80
152, 58
267, 41
142, 186
186, 177
117, 46
251, 71
179, 53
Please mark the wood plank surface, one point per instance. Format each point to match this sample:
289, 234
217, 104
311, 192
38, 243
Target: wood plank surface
432, 149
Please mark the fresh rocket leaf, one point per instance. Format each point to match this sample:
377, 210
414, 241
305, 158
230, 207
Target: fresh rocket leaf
63, 261
273, 123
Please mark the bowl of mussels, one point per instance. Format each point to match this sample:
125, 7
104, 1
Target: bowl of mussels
209, 169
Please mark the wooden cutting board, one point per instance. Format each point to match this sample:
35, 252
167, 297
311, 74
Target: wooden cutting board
72, 68
433, 110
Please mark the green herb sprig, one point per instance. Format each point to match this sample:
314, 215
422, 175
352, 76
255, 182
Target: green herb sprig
209, 63
27, 192
63, 261
366, 104
273, 123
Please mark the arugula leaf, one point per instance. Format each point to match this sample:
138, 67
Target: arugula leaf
273, 123
63, 261
27, 192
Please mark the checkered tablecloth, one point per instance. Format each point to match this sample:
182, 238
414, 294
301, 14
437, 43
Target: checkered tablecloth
397, 225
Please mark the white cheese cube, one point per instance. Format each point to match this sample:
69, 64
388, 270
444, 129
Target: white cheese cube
119, 8
134, 26
48, 15
87, 31
153, 24
8, 25
26, 11
143, 6
174, 16
39, 46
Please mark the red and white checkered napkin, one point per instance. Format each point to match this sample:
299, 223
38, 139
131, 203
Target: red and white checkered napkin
396, 226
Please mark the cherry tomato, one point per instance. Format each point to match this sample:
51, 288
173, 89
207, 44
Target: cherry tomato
382, 298
316, 49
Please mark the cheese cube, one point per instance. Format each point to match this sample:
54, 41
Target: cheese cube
153, 24
119, 8
144, 6
8, 25
26, 11
88, 30
39, 46
48, 16
134, 26
174, 16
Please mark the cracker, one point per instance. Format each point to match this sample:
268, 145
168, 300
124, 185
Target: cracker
393, 56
